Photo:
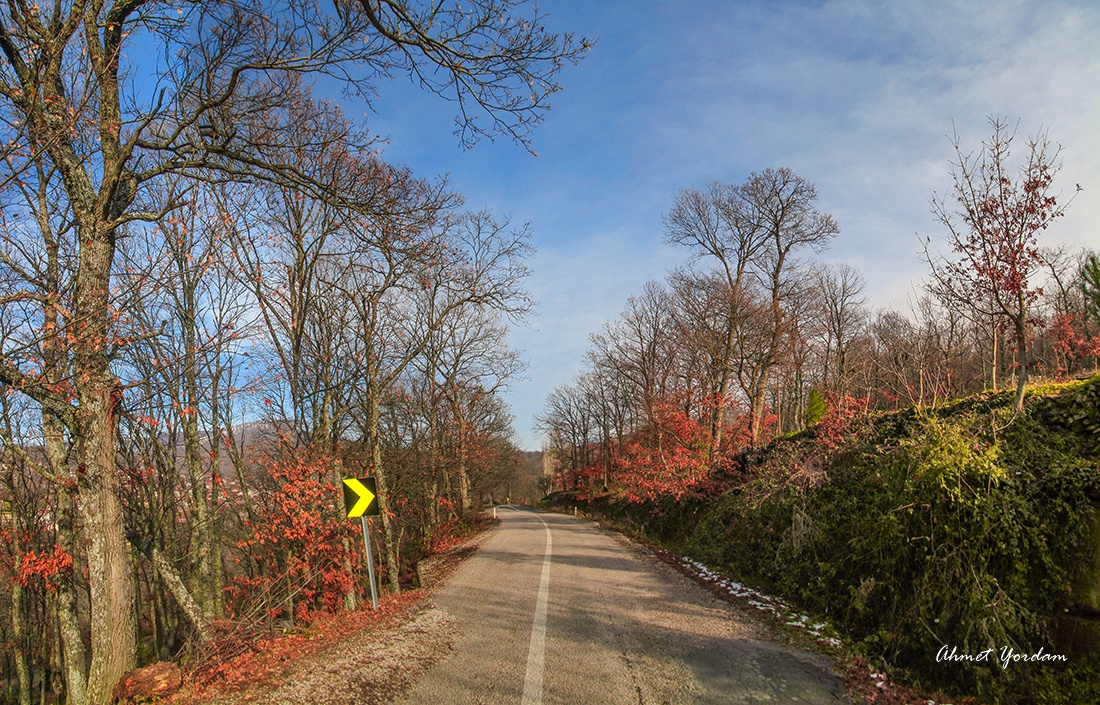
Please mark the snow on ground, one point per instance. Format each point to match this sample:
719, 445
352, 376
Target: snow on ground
775, 607
765, 603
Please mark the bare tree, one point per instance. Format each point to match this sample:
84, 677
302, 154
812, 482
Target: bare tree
405, 286
567, 421
800, 362
993, 219
841, 289
722, 224
706, 316
614, 415
639, 348
751, 230
783, 203
466, 362
218, 107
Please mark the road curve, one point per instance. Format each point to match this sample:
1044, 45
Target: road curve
554, 610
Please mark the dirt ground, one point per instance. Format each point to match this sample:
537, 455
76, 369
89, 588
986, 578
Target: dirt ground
371, 665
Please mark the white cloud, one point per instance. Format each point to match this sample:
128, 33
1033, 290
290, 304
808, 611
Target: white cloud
858, 97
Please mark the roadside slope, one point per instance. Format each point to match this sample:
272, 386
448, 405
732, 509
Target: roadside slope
963, 526
371, 663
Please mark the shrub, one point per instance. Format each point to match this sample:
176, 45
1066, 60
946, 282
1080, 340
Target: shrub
299, 545
967, 526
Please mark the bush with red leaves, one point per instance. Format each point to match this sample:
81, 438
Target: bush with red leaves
299, 546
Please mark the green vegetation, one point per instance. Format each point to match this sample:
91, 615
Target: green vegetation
1090, 286
966, 525
815, 406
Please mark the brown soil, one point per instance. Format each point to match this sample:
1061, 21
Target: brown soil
373, 663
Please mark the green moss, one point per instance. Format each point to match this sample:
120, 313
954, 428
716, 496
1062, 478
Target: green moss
968, 525
815, 407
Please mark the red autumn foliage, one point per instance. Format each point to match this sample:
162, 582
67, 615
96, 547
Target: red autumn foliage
451, 533
1063, 334
1070, 344
44, 566
836, 427
158, 680
299, 543
664, 458
669, 457
738, 435
235, 660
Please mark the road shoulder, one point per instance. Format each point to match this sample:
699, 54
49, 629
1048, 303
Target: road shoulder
374, 664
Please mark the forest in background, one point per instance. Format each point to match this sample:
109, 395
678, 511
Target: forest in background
759, 336
217, 300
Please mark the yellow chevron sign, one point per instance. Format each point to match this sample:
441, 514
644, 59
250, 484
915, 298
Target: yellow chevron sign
361, 497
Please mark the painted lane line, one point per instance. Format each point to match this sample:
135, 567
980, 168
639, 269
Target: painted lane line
536, 653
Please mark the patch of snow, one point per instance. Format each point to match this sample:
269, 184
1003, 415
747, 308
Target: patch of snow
762, 602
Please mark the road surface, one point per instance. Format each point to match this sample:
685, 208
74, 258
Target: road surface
553, 609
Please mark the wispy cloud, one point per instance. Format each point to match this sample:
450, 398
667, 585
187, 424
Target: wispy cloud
857, 97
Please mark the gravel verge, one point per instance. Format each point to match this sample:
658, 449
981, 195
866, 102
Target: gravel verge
372, 665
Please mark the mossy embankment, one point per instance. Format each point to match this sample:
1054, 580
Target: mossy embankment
966, 526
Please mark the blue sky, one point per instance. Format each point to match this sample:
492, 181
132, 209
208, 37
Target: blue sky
856, 96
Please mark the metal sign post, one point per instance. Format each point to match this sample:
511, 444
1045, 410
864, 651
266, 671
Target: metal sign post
370, 564
361, 500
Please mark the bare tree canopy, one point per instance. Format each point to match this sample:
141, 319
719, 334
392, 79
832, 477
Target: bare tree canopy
993, 218
751, 230
103, 102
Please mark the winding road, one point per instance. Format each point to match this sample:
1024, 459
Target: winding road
554, 609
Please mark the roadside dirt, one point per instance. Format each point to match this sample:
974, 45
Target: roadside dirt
371, 664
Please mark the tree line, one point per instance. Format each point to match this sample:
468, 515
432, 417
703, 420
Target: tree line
217, 299
757, 336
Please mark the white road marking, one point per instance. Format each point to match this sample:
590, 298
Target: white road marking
536, 653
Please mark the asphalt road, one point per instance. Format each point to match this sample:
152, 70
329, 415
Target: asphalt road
553, 609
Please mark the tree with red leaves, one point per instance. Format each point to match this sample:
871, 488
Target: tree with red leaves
993, 220
666, 457
296, 543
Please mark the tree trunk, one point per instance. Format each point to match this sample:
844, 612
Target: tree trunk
205, 549
72, 643
374, 445
993, 366
22, 660
726, 379
718, 414
190, 607
463, 476
756, 406
1022, 350
56, 366
202, 519
351, 600
434, 469
215, 572
109, 577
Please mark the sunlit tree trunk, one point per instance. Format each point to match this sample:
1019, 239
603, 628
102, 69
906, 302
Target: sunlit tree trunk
55, 365
75, 655
110, 579
22, 657
374, 446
